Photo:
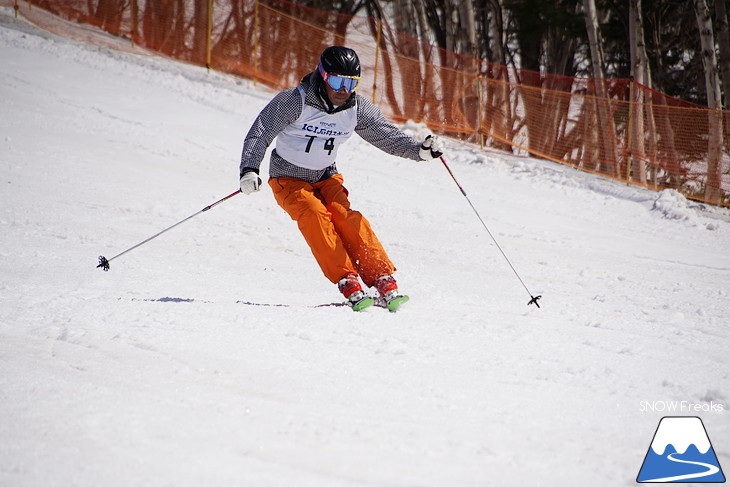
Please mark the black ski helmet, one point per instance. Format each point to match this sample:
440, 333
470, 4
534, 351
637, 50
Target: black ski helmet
340, 60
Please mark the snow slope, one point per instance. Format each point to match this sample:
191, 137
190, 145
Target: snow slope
202, 357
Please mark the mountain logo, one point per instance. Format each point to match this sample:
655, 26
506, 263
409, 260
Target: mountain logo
680, 452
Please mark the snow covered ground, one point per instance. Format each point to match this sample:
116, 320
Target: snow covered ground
202, 357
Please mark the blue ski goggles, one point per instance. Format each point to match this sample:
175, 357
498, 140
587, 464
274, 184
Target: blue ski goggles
339, 82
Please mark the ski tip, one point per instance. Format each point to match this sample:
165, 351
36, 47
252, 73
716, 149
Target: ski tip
396, 303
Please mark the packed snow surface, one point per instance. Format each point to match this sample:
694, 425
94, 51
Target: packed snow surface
214, 355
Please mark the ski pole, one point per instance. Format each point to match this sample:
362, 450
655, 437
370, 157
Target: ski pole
104, 262
533, 299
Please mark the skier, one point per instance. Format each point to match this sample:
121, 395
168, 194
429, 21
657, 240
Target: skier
309, 122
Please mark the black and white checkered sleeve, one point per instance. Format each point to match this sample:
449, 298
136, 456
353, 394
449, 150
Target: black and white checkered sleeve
281, 111
374, 128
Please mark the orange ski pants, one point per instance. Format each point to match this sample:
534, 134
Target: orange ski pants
340, 238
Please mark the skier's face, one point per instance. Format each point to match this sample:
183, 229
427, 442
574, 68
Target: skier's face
336, 97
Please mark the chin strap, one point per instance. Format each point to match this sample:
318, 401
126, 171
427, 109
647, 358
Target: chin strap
325, 99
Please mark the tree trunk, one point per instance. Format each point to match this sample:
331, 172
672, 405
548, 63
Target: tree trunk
200, 32
723, 41
466, 36
530, 33
639, 65
447, 76
159, 25
499, 108
135, 20
605, 121
595, 41
426, 56
109, 15
177, 41
394, 101
713, 192
407, 55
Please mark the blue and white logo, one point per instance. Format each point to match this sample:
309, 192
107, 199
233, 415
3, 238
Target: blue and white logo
681, 452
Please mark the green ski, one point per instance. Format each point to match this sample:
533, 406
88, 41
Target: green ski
365, 302
395, 303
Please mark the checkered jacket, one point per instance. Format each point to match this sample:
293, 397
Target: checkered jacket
286, 107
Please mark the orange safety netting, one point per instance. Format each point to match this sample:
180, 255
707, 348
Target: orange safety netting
613, 127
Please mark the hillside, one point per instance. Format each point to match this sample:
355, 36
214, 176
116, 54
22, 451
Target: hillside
204, 358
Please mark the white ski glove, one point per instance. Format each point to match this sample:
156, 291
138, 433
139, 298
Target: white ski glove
250, 182
431, 148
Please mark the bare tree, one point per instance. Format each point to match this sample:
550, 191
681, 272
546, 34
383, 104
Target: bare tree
157, 22
200, 32
109, 14
495, 26
134, 7
499, 117
723, 42
595, 40
407, 52
713, 190
605, 121
463, 35
463, 28
640, 69
375, 12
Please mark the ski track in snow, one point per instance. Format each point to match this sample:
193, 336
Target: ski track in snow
158, 372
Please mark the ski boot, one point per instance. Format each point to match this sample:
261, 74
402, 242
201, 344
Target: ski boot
350, 287
388, 293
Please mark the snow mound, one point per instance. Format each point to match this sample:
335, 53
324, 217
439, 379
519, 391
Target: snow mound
673, 206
